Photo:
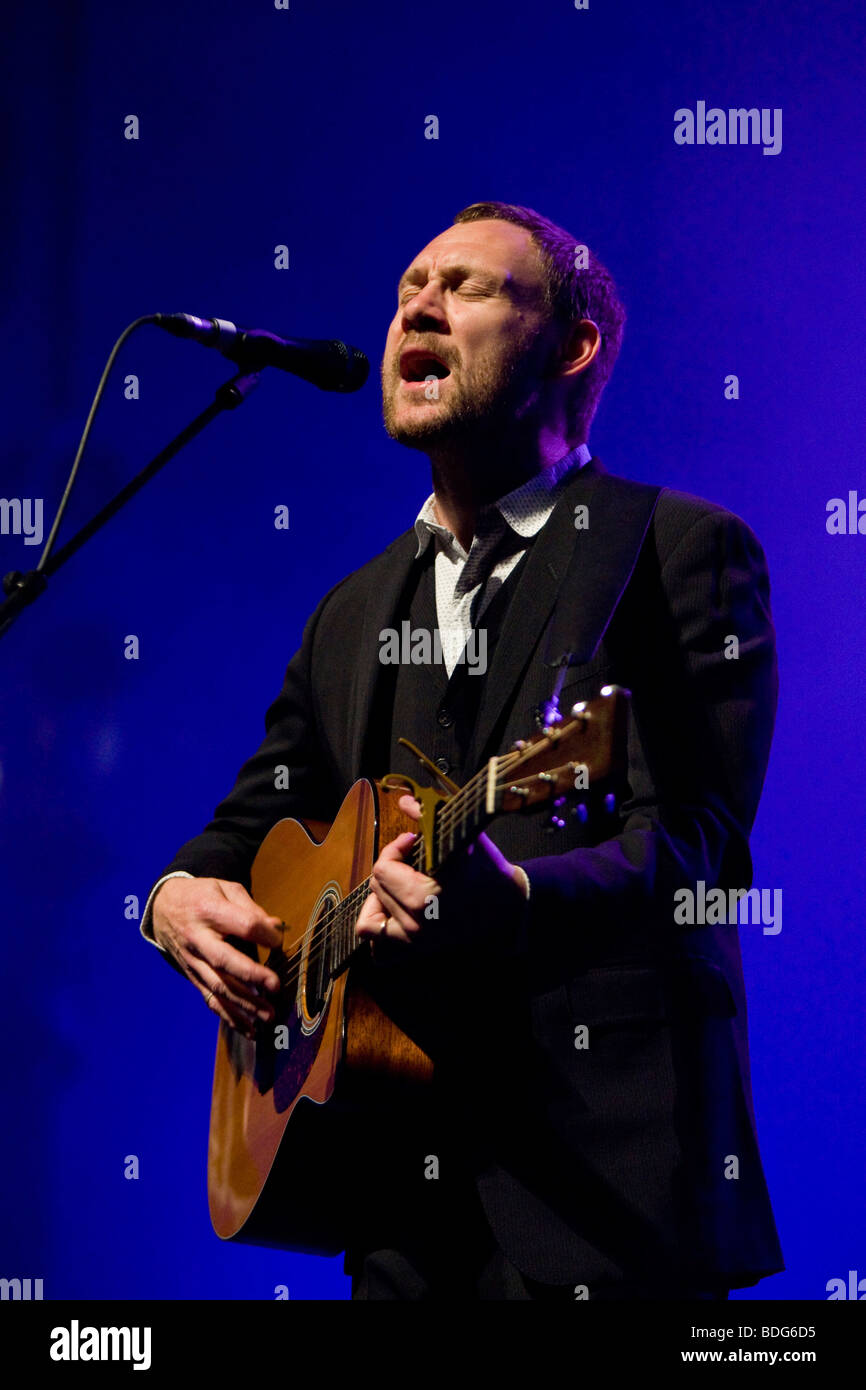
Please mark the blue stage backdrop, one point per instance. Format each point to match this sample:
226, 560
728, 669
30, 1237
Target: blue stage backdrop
157, 158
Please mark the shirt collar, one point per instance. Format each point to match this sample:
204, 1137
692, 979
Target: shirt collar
525, 509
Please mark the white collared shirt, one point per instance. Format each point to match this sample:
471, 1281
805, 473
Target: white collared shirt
465, 583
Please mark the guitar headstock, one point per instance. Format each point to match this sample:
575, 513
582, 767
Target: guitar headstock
577, 758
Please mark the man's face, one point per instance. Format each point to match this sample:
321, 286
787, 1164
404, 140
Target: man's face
471, 313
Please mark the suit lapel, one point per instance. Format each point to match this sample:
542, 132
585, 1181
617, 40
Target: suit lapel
602, 561
582, 573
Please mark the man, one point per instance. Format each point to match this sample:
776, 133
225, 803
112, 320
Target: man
593, 1134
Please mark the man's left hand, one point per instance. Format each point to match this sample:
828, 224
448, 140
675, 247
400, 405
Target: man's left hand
481, 894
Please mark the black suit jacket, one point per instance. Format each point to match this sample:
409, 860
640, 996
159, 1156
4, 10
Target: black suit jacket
637, 1154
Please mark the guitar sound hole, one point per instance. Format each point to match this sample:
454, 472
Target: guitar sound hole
317, 974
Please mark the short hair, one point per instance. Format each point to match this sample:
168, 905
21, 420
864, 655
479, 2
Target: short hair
571, 293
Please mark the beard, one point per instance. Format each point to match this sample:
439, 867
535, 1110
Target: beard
502, 397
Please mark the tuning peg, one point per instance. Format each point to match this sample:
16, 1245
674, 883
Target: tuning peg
610, 803
581, 813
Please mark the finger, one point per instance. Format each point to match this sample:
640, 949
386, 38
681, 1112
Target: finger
384, 928
238, 1023
254, 1002
374, 923
231, 991
232, 912
371, 918
404, 883
395, 849
410, 806
399, 923
245, 1011
206, 945
224, 1009
236, 893
215, 953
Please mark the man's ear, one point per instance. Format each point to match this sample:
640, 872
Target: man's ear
580, 348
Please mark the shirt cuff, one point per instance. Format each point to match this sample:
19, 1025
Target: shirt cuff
527, 887
147, 916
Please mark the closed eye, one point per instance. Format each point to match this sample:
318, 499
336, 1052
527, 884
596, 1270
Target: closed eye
456, 280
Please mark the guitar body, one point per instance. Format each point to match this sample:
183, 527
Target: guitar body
330, 1058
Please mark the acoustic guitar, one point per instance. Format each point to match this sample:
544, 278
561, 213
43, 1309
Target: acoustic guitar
283, 1104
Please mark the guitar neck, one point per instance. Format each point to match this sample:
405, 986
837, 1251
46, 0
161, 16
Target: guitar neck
459, 819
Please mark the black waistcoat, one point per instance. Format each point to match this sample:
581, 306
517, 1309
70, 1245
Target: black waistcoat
417, 700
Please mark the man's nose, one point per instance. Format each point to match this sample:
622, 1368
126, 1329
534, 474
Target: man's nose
425, 311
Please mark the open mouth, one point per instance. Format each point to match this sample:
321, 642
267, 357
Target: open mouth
417, 365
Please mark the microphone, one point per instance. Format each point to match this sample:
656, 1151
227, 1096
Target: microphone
330, 365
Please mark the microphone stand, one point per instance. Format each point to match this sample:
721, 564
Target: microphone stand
22, 589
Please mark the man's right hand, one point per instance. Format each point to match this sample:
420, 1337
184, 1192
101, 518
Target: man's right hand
192, 918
